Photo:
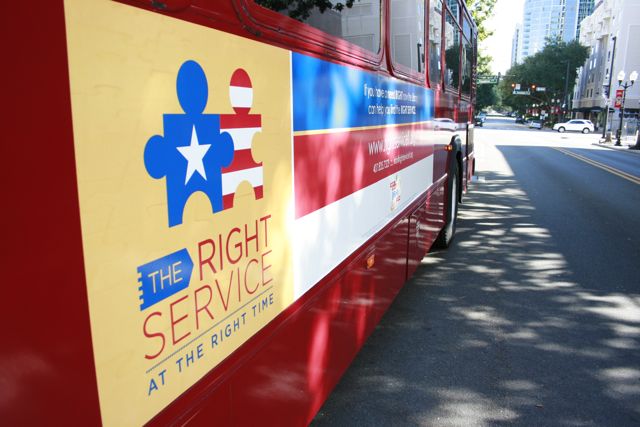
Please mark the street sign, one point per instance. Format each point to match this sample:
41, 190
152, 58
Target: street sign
619, 95
522, 92
488, 80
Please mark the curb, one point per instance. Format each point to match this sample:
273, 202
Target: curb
625, 148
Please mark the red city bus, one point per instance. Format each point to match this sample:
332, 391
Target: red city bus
213, 202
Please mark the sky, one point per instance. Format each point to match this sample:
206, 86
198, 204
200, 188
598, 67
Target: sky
506, 14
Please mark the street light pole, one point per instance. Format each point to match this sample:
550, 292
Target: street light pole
625, 86
606, 118
566, 90
608, 90
624, 97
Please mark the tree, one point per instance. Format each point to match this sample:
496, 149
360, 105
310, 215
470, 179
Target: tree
301, 9
481, 10
486, 94
548, 69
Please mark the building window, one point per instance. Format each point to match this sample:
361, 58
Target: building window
407, 33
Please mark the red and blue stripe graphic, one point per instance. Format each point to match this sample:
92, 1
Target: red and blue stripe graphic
330, 166
351, 129
362, 152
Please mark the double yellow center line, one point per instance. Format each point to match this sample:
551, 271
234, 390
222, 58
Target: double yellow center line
618, 172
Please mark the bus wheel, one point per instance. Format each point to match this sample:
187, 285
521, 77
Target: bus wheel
446, 234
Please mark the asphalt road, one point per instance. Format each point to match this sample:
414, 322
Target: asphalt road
532, 318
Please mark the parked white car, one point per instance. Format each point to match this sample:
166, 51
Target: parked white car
584, 126
444, 124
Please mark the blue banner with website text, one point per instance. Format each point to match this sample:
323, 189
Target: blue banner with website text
333, 96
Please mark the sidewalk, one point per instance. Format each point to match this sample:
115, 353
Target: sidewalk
625, 145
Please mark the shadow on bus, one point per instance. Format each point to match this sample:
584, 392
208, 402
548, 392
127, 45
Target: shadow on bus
502, 328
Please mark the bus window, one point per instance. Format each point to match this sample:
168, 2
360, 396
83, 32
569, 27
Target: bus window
466, 28
407, 33
467, 62
435, 42
452, 52
359, 24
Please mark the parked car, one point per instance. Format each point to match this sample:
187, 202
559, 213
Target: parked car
535, 124
442, 123
520, 119
584, 126
479, 120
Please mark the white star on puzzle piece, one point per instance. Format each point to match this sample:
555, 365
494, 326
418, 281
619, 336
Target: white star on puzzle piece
194, 153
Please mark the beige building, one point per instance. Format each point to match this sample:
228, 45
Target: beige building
612, 32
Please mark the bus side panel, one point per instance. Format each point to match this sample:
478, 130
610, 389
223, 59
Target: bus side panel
426, 223
211, 407
47, 366
434, 215
470, 157
444, 134
46, 362
288, 381
417, 239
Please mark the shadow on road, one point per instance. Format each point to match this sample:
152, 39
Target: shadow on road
501, 329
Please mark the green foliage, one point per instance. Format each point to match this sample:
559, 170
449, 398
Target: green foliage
301, 9
548, 69
481, 10
486, 96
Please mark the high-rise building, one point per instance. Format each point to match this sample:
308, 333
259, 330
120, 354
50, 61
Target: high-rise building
515, 44
545, 19
585, 8
570, 17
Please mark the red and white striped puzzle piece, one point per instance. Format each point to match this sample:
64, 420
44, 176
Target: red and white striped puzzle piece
242, 126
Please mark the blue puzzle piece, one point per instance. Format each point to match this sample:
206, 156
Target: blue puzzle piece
193, 151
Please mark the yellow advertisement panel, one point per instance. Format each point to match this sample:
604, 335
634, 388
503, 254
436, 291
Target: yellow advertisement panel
183, 149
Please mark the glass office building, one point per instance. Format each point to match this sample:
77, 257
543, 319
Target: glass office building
545, 19
585, 8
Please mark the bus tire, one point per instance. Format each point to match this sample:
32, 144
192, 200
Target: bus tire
449, 230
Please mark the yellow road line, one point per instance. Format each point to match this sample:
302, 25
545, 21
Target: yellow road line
610, 169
